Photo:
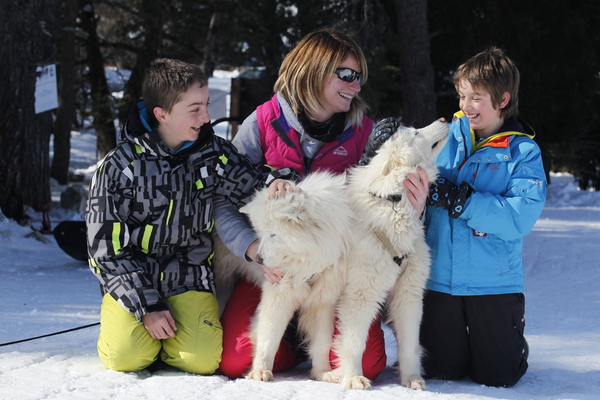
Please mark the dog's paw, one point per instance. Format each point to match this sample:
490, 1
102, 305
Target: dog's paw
329, 376
356, 382
260, 375
414, 382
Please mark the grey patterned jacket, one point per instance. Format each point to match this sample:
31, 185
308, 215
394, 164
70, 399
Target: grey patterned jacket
150, 214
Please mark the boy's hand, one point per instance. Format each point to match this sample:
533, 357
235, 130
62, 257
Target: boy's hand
380, 133
448, 195
160, 325
418, 189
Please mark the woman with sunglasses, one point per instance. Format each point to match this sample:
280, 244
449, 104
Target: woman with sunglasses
315, 121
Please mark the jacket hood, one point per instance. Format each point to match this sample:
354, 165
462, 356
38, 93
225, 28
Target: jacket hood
139, 120
518, 125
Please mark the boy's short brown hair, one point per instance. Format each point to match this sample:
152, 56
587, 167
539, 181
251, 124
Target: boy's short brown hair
165, 80
492, 71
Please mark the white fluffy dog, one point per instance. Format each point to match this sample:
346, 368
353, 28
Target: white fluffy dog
347, 244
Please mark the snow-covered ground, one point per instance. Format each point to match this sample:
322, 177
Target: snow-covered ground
45, 291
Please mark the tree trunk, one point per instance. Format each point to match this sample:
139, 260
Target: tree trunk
418, 93
106, 135
209, 65
151, 26
65, 116
28, 30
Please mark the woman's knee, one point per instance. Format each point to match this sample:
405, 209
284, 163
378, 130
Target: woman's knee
234, 367
374, 358
236, 320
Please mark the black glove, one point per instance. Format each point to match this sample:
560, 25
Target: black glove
380, 133
444, 193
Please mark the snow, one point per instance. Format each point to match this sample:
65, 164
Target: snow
45, 291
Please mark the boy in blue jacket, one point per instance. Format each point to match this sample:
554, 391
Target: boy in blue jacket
490, 192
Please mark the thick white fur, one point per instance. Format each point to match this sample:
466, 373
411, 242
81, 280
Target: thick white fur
324, 239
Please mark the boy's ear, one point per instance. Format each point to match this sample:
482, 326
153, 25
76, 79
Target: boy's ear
159, 114
505, 100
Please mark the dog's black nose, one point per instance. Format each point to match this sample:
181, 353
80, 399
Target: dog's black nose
259, 259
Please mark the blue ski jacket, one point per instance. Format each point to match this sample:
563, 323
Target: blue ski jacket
480, 253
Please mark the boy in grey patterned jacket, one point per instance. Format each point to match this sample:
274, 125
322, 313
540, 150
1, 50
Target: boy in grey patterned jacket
149, 219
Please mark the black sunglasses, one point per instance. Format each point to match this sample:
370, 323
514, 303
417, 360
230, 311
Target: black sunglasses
349, 75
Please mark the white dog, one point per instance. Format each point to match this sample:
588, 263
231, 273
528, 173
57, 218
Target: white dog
346, 245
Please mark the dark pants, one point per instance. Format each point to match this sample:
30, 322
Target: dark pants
476, 336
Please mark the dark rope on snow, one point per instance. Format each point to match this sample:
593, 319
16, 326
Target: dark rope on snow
50, 334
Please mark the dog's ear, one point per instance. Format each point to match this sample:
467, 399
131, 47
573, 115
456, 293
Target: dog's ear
293, 214
248, 207
261, 196
294, 210
384, 159
386, 167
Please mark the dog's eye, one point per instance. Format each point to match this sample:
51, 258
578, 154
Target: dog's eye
272, 235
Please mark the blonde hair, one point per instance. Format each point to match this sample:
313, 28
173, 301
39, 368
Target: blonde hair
492, 71
304, 69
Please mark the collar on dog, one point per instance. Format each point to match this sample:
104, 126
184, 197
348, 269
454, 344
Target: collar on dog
398, 258
394, 198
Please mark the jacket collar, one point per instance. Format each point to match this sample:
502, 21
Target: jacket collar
512, 127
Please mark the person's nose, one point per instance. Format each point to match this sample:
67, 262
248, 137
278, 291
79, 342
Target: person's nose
355, 86
204, 117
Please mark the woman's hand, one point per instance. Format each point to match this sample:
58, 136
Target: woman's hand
272, 275
279, 187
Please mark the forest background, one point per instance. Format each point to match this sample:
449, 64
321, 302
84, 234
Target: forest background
412, 47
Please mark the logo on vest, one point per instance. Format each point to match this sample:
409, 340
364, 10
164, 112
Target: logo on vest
341, 151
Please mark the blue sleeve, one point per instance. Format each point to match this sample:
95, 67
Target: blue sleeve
513, 214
